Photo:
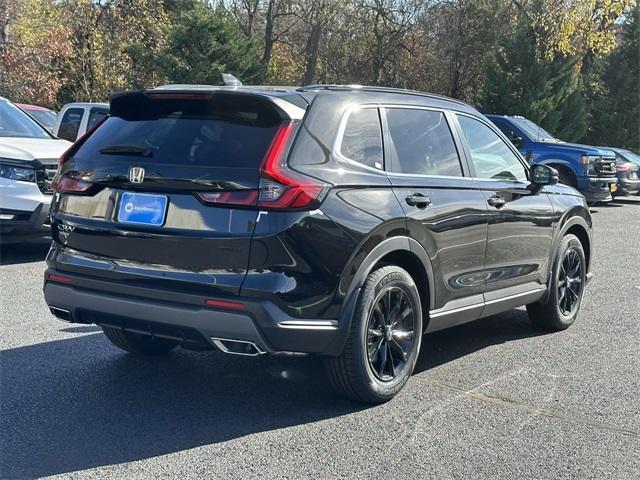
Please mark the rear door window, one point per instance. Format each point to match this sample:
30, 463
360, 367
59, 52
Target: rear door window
362, 138
70, 124
95, 116
421, 143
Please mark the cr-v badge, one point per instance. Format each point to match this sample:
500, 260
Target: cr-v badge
136, 174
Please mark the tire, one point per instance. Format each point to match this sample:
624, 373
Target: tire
384, 339
556, 312
139, 344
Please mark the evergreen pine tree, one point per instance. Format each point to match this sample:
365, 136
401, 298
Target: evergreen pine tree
616, 111
204, 43
520, 81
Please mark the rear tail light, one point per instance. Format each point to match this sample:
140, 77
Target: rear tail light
280, 187
64, 184
235, 197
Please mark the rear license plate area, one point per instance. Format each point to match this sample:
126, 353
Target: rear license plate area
142, 209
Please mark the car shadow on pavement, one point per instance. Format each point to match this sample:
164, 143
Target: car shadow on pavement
80, 403
26, 252
450, 344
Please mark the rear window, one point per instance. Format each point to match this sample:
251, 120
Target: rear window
224, 131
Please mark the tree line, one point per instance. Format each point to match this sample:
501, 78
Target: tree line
572, 66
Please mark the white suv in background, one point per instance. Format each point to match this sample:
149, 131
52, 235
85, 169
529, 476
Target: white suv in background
28, 161
74, 119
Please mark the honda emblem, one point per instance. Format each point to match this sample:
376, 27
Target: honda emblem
136, 174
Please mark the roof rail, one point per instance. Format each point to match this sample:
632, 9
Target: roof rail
369, 88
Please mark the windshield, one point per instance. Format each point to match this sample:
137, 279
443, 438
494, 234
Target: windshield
15, 123
630, 156
45, 117
534, 131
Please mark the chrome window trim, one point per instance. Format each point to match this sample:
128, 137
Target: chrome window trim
451, 131
336, 150
357, 106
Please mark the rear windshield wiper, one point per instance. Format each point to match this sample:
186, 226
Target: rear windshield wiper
126, 150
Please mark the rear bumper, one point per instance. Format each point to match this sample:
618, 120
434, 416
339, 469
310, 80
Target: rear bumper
189, 319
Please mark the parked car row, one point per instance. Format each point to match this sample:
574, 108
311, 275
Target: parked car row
29, 156
597, 172
628, 172
32, 139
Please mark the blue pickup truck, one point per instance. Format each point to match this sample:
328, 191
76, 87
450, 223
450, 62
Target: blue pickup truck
590, 170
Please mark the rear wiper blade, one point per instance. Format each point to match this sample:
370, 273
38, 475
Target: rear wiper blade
126, 150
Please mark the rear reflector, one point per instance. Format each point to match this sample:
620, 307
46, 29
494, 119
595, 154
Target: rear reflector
55, 277
209, 302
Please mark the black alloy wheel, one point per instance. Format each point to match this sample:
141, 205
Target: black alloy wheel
570, 282
384, 338
559, 308
390, 333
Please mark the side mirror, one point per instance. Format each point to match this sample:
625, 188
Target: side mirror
542, 175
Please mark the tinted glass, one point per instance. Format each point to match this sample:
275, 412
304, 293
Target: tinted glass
630, 156
490, 155
70, 124
535, 132
423, 143
15, 123
362, 139
45, 117
95, 116
504, 128
227, 132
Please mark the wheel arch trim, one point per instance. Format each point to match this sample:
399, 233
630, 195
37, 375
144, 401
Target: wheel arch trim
384, 248
568, 224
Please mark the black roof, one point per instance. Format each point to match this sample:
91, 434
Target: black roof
309, 92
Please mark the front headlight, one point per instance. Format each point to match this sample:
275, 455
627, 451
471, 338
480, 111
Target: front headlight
589, 159
22, 174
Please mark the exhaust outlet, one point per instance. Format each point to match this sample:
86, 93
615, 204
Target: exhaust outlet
237, 347
62, 314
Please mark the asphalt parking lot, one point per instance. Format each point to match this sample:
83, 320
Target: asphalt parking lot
495, 398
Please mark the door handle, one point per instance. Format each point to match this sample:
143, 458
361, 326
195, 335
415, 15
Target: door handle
496, 201
418, 200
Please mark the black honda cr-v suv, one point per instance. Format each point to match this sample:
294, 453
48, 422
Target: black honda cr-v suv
331, 220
